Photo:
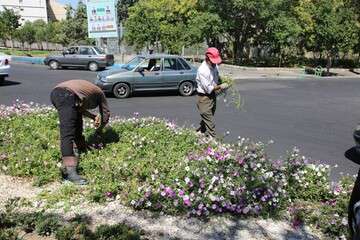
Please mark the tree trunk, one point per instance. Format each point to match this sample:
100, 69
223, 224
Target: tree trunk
236, 44
328, 65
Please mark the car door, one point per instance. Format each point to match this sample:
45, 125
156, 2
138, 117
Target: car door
173, 72
86, 55
149, 75
69, 58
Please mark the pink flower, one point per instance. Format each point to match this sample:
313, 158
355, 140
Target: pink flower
246, 210
187, 201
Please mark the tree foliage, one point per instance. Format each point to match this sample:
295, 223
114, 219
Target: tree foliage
283, 28
9, 22
169, 24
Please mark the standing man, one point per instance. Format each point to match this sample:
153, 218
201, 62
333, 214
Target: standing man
73, 99
208, 83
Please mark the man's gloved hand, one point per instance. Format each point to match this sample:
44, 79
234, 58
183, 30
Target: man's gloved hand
224, 86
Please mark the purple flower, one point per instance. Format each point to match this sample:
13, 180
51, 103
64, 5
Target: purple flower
181, 193
214, 206
169, 192
201, 206
109, 194
210, 151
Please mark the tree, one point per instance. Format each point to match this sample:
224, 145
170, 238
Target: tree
243, 21
26, 34
40, 32
74, 28
169, 24
9, 22
123, 8
335, 28
283, 30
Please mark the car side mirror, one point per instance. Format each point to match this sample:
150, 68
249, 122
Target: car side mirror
65, 52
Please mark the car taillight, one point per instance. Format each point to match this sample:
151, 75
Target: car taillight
6, 62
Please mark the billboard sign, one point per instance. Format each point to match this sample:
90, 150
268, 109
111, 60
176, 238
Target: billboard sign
102, 18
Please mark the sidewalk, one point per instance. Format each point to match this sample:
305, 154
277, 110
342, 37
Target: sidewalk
240, 72
237, 72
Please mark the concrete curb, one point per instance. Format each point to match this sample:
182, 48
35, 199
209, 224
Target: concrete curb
263, 78
40, 61
31, 60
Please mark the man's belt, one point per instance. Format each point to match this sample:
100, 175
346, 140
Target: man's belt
211, 95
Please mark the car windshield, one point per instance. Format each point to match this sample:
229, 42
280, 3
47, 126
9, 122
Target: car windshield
99, 50
133, 63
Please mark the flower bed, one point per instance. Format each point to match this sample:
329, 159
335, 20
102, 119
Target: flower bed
149, 163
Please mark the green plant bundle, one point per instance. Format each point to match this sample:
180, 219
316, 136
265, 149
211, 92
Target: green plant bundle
232, 92
153, 164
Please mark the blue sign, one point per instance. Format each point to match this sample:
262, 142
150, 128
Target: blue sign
102, 18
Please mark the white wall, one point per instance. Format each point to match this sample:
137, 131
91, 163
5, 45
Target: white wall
29, 10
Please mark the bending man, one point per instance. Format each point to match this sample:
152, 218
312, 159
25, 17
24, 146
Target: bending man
73, 99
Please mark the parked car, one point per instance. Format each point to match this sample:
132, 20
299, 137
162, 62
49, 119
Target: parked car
90, 57
149, 73
4, 66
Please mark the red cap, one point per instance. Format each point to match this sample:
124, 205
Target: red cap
214, 55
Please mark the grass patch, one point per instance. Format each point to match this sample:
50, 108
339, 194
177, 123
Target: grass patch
29, 53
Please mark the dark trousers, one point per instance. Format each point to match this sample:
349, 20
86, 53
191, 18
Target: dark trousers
355, 197
207, 107
71, 123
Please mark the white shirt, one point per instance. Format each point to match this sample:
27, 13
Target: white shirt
206, 78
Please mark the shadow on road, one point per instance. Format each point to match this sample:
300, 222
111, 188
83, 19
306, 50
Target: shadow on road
9, 83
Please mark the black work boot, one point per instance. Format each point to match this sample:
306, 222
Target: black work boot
74, 177
70, 173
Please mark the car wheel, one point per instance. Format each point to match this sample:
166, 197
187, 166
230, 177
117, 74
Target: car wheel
121, 90
54, 65
186, 89
2, 79
93, 66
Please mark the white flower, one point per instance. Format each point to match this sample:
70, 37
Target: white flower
133, 202
344, 221
187, 168
148, 204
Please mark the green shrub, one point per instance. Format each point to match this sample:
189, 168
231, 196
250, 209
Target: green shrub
116, 232
148, 163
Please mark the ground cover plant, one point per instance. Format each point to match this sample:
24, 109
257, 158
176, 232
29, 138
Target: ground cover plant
14, 225
153, 164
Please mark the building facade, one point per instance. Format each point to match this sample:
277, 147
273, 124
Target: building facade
56, 11
32, 10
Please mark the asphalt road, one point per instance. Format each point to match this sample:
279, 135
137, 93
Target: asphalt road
317, 116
